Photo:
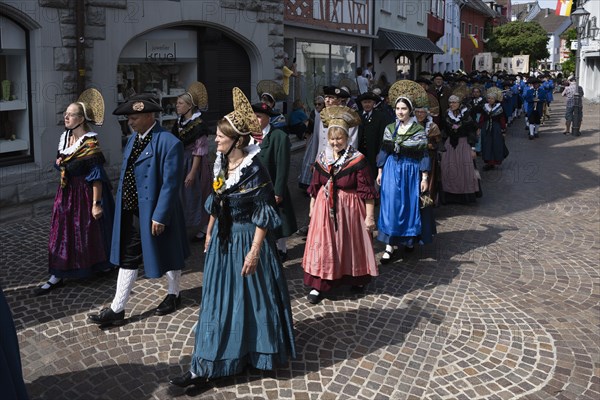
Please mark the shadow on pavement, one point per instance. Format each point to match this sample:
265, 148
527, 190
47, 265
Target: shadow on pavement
124, 381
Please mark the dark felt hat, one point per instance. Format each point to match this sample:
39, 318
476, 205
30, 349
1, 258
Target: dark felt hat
533, 80
263, 108
139, 104
437, 74
423, 80
368, 96
335, 91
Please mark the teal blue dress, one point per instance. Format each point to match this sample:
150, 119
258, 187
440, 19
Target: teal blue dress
243, 321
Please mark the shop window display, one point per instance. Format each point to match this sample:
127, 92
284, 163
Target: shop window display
15, 133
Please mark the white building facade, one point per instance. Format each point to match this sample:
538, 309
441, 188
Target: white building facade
589, 65
450, 42
402, 48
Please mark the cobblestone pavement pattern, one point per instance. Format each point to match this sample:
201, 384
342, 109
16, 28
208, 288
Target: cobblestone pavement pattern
504, 304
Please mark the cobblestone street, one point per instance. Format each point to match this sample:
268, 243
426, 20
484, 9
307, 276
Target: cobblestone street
505, 304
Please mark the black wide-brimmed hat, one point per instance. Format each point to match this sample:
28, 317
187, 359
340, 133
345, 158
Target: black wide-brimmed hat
336, 91
368, 96
263, 108
139, 104
533, 80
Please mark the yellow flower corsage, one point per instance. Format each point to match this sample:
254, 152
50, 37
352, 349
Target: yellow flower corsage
218, 183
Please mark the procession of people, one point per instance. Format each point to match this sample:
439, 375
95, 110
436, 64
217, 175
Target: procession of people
376, 174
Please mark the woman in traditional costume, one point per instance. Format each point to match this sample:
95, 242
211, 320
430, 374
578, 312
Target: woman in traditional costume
434, 142
192, 131
403, 174
245, 318
493, 128
339, 246
83, 211
459, 175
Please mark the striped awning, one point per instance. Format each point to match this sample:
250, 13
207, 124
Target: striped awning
405, 42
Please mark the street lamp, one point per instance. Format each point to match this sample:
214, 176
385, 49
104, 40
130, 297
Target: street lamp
579, 18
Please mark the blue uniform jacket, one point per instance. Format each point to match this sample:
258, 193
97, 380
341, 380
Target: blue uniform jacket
158, 175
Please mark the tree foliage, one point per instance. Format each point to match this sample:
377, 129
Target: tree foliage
518, 37
570, 35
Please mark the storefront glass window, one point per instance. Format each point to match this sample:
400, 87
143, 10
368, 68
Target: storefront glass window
162, 62
321, 64
15, 119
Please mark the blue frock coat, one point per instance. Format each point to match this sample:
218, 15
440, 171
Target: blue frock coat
158, 175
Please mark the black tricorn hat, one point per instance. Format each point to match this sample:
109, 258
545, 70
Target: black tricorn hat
335, 91
139, 104
368, 96
263, 108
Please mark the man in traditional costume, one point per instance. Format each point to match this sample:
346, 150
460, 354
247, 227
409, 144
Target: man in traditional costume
149, 227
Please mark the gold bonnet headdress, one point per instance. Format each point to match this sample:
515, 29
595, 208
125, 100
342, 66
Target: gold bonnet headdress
409, 90
242, 118
495, 92
340, 116
199, 96
270, 88
92, 102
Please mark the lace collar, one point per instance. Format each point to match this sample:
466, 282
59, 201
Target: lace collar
489, 109
235, 175
329, 159
64, 138
402, 129
428, 121
195, 115
457, 118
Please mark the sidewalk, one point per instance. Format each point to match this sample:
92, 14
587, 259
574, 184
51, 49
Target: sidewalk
503, 305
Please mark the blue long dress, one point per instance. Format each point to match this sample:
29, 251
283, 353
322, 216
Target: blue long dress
243, 320
403, 157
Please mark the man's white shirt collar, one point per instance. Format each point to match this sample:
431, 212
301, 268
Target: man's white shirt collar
143, 136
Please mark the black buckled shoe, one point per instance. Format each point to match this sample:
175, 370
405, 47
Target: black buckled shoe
314, 298
107, 317
387, 256
168, 305
282, 256
39, 291
186, 380
357, 289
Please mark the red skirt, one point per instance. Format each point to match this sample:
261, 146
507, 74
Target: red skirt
332, 254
